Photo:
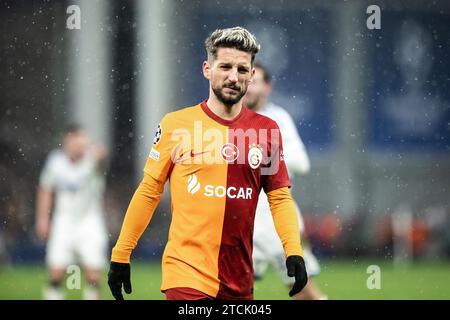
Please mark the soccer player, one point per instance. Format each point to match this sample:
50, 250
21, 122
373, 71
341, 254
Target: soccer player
73, 181
267, 248
217, 156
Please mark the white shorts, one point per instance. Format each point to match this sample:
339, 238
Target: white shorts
267, 247
83, 241
262, 259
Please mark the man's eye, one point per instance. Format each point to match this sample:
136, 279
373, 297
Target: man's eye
243, 70
225, 67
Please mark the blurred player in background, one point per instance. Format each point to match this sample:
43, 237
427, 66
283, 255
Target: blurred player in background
267, 248
73, 181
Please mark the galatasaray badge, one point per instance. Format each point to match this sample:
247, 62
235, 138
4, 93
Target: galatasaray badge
254, 156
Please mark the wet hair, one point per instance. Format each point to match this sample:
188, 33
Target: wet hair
266, 74
237, 38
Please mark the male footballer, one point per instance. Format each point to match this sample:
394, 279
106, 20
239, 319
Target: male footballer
217, 156
72, 183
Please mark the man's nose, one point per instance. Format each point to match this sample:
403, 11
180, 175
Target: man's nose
233, 76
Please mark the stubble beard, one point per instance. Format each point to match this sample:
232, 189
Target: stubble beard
228, 101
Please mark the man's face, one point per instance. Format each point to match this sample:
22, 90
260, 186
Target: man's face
229, 74
258, 91
76, 144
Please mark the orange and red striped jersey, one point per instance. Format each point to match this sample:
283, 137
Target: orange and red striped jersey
216, 169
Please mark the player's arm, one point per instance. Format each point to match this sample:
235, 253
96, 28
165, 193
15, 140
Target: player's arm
140, 210
284, 213
44, 197
100, 154
44, 203
148, 194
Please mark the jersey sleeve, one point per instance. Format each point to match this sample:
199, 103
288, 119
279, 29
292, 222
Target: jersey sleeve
139, 213
160, 160
47, 178
275, 174
285, 218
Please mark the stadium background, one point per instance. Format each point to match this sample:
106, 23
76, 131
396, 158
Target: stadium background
372, 106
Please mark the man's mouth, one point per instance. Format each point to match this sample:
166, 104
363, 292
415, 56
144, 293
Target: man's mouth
232, 88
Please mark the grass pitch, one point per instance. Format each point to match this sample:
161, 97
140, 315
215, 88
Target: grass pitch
338, 280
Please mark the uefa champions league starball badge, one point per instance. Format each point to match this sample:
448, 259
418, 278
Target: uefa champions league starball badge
158, 134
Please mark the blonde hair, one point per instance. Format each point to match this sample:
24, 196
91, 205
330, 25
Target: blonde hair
238, 38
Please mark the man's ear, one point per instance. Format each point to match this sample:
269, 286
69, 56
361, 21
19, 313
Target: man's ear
252, 75
206, 67
269, 87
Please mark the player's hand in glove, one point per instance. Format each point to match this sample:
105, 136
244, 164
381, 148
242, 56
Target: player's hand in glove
118, 275
296, 268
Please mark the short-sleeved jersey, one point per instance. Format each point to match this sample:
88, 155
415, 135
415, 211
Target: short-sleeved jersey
216, 170
78, 186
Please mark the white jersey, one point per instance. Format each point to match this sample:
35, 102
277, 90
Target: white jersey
78, 186
295, 156
297, 162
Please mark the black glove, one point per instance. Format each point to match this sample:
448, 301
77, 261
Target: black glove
118, 275
296, 268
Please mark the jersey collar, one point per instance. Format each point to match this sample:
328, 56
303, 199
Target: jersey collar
218, 119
